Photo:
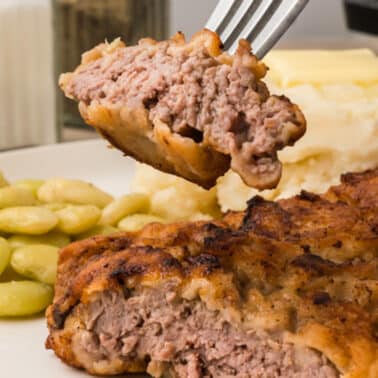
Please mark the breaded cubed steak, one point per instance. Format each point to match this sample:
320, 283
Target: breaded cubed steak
286, 289
187, 108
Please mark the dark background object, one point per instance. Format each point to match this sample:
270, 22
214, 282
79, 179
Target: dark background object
79, 25
362, 15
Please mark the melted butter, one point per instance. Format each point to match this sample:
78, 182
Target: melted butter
319, 67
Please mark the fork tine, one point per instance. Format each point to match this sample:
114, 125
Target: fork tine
238, 21
278, 27
221, 14
254, 29
256, 23
261, 22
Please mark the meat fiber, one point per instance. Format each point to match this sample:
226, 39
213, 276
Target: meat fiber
186, 338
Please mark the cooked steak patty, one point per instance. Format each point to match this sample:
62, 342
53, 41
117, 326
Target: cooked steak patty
187, 102
186, 338
286, 289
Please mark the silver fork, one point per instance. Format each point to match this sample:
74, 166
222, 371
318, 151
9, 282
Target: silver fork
261, 22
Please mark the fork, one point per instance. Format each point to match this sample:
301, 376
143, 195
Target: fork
261, 22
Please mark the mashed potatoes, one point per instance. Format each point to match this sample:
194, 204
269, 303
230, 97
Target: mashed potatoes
174, 198
338, 93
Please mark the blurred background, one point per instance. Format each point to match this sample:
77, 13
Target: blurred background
42, 38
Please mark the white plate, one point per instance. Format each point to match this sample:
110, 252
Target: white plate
22, 351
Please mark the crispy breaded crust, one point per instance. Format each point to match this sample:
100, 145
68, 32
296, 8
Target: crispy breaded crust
306, 267
131, 130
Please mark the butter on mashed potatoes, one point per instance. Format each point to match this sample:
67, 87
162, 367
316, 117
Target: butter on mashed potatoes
338, 93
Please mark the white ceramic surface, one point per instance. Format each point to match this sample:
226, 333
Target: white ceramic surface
22, 351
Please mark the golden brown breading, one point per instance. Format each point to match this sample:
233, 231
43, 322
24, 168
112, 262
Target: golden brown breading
305, 267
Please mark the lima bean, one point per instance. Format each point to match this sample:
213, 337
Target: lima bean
54, 238
37, 261
31, 184
5, 253
31, 220
125, 205
11, 196
21, 298
77, 219
54, 206
97, 230
136, 222
74, 192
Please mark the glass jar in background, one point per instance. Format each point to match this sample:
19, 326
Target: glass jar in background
27, 84
79, 25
